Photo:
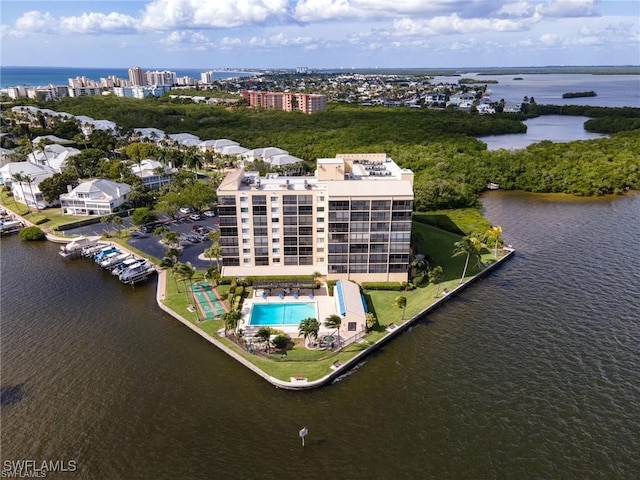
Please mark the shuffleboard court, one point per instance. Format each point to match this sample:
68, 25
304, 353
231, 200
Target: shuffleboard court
207, 300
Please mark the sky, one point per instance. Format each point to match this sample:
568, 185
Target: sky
319, 33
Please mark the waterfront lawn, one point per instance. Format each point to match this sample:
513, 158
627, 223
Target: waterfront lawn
53, 217
461, 221
315, 364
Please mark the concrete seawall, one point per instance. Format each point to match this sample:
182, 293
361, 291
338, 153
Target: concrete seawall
344, 368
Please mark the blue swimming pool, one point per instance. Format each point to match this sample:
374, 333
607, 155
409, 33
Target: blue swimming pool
274, 314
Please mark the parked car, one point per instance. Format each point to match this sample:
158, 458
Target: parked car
186, 210
195, 217
150, 227
209, 213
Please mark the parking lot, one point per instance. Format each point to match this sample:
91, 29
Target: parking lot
193, 244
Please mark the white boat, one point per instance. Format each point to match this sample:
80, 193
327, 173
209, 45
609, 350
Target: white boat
113, 260
91, 251
133, 273
77, 245
98, 257
493, 186
131, 270
121, 267
9, 226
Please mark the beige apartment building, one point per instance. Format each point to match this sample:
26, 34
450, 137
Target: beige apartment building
351, 220
307, 103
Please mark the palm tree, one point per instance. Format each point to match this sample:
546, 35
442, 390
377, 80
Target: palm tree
494, 234
171, 237
117, 222
401, 302
160, 231
185, 271
334, 321
214, 251
42, 147
435, 275
230, 320
192, 160
20, 178
108, 219
466, 246
170, 258
421, 267
264, 333
214, 274
309, 328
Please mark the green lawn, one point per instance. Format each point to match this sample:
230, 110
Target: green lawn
47, 219
314, 364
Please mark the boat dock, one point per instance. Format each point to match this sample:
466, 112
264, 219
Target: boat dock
122, 263
9, 223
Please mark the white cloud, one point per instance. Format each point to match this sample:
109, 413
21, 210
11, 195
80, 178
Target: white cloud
186, 40
277, 40
99, 23
319, 10
568, 8
35, 22
168, 14
453, 24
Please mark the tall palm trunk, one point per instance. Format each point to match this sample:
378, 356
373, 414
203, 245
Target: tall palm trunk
466, 264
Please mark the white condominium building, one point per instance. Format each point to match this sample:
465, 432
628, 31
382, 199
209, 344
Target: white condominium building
351, 220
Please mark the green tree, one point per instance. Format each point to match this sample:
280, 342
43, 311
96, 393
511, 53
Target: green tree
435, 276
421, 268
401, 302
171, 237
21, 179
184, 272
143, 215
309, 328
57, 184
468, 246
88, 163
371, 319
334, 321
107, 219
117, 222
493, 234
230, 320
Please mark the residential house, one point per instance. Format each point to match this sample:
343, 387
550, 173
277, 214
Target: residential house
95, 198
153, 173
28, 190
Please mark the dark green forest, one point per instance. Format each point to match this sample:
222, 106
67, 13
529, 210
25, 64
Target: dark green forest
451, 166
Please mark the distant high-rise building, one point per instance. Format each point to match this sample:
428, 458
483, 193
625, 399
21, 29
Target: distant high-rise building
137, 77
207, 77
164, 77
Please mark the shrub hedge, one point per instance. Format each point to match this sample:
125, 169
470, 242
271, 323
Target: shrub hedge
394, 286
32, 234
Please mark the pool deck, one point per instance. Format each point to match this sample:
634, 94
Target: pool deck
325, 306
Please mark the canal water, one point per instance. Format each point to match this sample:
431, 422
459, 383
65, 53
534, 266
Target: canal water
553, 128
531, 373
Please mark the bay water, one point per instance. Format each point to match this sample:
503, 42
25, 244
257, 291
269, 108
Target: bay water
530, 373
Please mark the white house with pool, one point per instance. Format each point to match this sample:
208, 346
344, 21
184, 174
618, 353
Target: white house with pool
286, 312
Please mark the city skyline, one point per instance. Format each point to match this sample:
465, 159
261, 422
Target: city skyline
321, 33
